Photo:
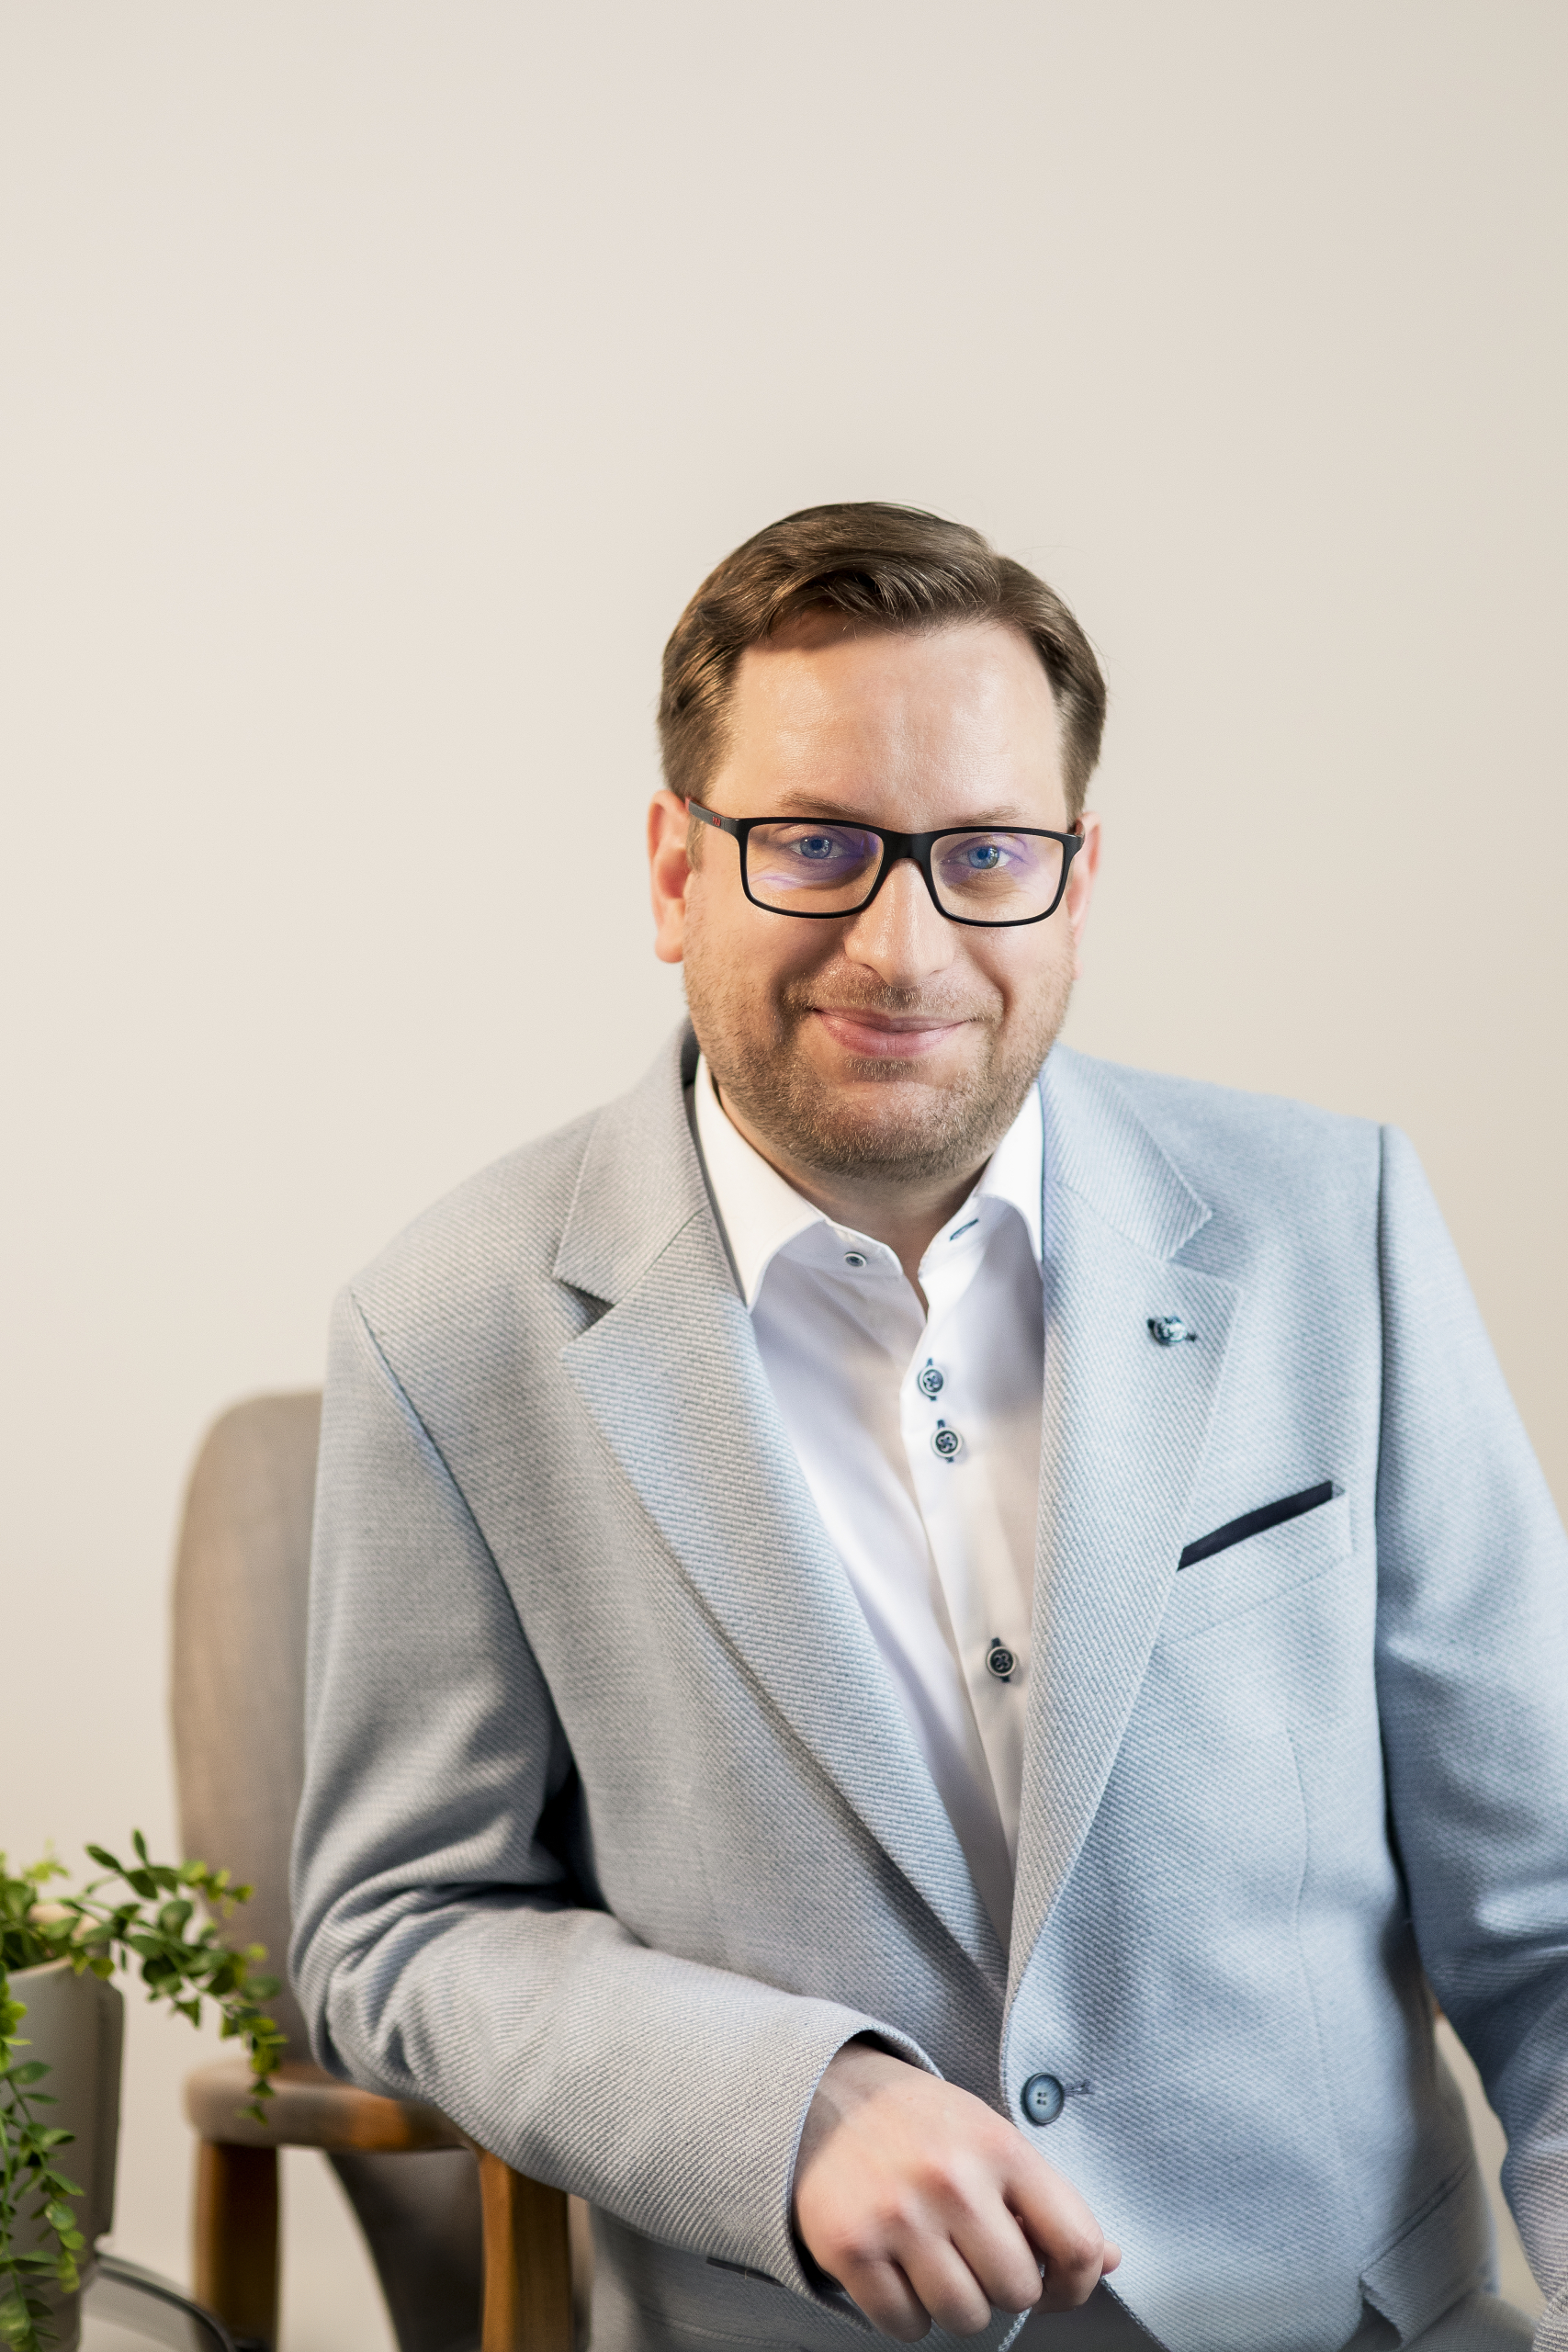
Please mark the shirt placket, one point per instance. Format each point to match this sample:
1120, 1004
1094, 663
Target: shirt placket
947, 1443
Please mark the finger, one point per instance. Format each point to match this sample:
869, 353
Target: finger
881, 2290
1003, 2263
947, 2287
1068, 2240
1071, 2270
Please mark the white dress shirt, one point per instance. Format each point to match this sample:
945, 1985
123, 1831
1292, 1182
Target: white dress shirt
919, 1434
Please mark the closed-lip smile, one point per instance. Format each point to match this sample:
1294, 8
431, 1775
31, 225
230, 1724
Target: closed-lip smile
896, 1036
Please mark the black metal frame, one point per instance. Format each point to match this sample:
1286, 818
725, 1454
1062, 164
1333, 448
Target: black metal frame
895, 847
122, 2292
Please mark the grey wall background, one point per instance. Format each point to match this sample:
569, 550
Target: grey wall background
379, 380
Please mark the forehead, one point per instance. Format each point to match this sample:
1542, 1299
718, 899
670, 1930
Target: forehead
829, 712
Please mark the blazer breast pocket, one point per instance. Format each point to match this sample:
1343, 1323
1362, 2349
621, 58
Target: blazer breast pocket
1258, 1556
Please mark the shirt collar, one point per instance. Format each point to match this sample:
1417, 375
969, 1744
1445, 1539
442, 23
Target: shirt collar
761, 1213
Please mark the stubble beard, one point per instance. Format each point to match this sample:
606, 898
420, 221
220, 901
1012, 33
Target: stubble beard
911, 1128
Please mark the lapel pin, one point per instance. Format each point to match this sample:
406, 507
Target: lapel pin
1169, 1330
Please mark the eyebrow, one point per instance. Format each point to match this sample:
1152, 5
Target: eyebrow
804, 804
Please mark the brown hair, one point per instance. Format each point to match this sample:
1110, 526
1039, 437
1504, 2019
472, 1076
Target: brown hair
893, 567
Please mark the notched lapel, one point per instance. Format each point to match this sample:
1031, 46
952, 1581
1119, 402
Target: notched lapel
672, 1378
1126, 1422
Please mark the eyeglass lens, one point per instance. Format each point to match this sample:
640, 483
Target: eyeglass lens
981, 877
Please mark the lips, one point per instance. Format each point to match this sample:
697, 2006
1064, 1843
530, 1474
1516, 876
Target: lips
882, 1036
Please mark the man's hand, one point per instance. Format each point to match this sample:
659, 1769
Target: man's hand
926, 2206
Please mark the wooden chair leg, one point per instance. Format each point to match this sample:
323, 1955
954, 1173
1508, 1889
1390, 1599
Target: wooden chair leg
528, 2263
235, 2256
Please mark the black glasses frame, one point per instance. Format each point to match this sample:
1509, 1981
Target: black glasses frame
896, 848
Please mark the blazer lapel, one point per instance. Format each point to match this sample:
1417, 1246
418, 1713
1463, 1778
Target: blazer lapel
1126, 1424
671, 1377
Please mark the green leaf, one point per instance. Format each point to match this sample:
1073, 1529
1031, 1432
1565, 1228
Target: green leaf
182, 1962
15, 2325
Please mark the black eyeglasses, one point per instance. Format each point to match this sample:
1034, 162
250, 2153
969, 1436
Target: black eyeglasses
820, 869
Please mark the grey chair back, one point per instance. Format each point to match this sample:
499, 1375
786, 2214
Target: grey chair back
242, 1585
242, 1579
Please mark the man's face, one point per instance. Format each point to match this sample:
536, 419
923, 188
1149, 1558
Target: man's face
890, 1042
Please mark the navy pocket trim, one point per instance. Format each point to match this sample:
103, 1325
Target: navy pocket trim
1254, 1523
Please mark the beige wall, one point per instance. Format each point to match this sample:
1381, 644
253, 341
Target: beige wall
378, 379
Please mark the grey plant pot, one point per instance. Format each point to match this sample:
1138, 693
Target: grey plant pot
76, 2025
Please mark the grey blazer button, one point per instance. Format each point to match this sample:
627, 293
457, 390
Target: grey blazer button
1042, 2098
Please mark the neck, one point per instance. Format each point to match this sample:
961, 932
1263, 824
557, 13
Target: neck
907, 1214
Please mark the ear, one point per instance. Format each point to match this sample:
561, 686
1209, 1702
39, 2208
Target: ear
1080, 886
670, 875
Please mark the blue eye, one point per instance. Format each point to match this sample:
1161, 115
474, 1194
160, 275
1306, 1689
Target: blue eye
808, 860
981, 857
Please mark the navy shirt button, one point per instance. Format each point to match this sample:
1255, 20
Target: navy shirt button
855, 1258
1042, 2098
929, 1382
946, 1442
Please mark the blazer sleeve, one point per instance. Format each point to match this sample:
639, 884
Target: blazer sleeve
1472, 1667
442, 1949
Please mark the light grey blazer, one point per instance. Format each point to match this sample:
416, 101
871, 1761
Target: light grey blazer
614, 1829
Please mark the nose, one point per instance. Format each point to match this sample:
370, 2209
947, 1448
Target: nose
900, 936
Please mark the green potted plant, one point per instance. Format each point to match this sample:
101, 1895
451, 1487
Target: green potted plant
60, 2048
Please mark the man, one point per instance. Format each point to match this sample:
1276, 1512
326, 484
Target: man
921, 1648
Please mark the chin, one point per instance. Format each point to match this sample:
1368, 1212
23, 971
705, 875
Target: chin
917, 1132
934, 1073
